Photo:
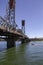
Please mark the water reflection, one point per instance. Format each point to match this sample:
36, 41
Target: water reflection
3, 45
13, 55
23, 54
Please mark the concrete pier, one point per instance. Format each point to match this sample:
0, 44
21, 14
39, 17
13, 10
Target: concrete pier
10, 42
22, 41
25, 41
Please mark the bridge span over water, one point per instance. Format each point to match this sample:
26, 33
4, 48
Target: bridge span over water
8, 26
11, 34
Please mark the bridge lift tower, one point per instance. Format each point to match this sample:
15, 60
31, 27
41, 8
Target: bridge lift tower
11, 20
11, 13
23, 26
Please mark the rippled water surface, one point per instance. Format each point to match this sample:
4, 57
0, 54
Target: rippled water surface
22, 54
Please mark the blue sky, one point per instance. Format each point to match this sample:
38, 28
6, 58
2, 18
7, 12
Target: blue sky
31, 11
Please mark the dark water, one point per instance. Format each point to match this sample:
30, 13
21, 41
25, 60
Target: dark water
26, 54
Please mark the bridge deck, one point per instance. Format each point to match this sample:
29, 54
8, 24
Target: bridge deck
7, 29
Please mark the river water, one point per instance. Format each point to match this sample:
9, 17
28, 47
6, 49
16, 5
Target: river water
22, 54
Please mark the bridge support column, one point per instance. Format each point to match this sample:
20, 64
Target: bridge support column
23, 41
10, 42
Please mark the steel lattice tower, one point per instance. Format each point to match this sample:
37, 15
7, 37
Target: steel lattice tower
23, 26
11, 13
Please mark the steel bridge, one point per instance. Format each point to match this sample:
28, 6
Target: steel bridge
11, 34
8, 26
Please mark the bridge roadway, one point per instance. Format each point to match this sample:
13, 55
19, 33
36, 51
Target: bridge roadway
6, 29
14, 33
